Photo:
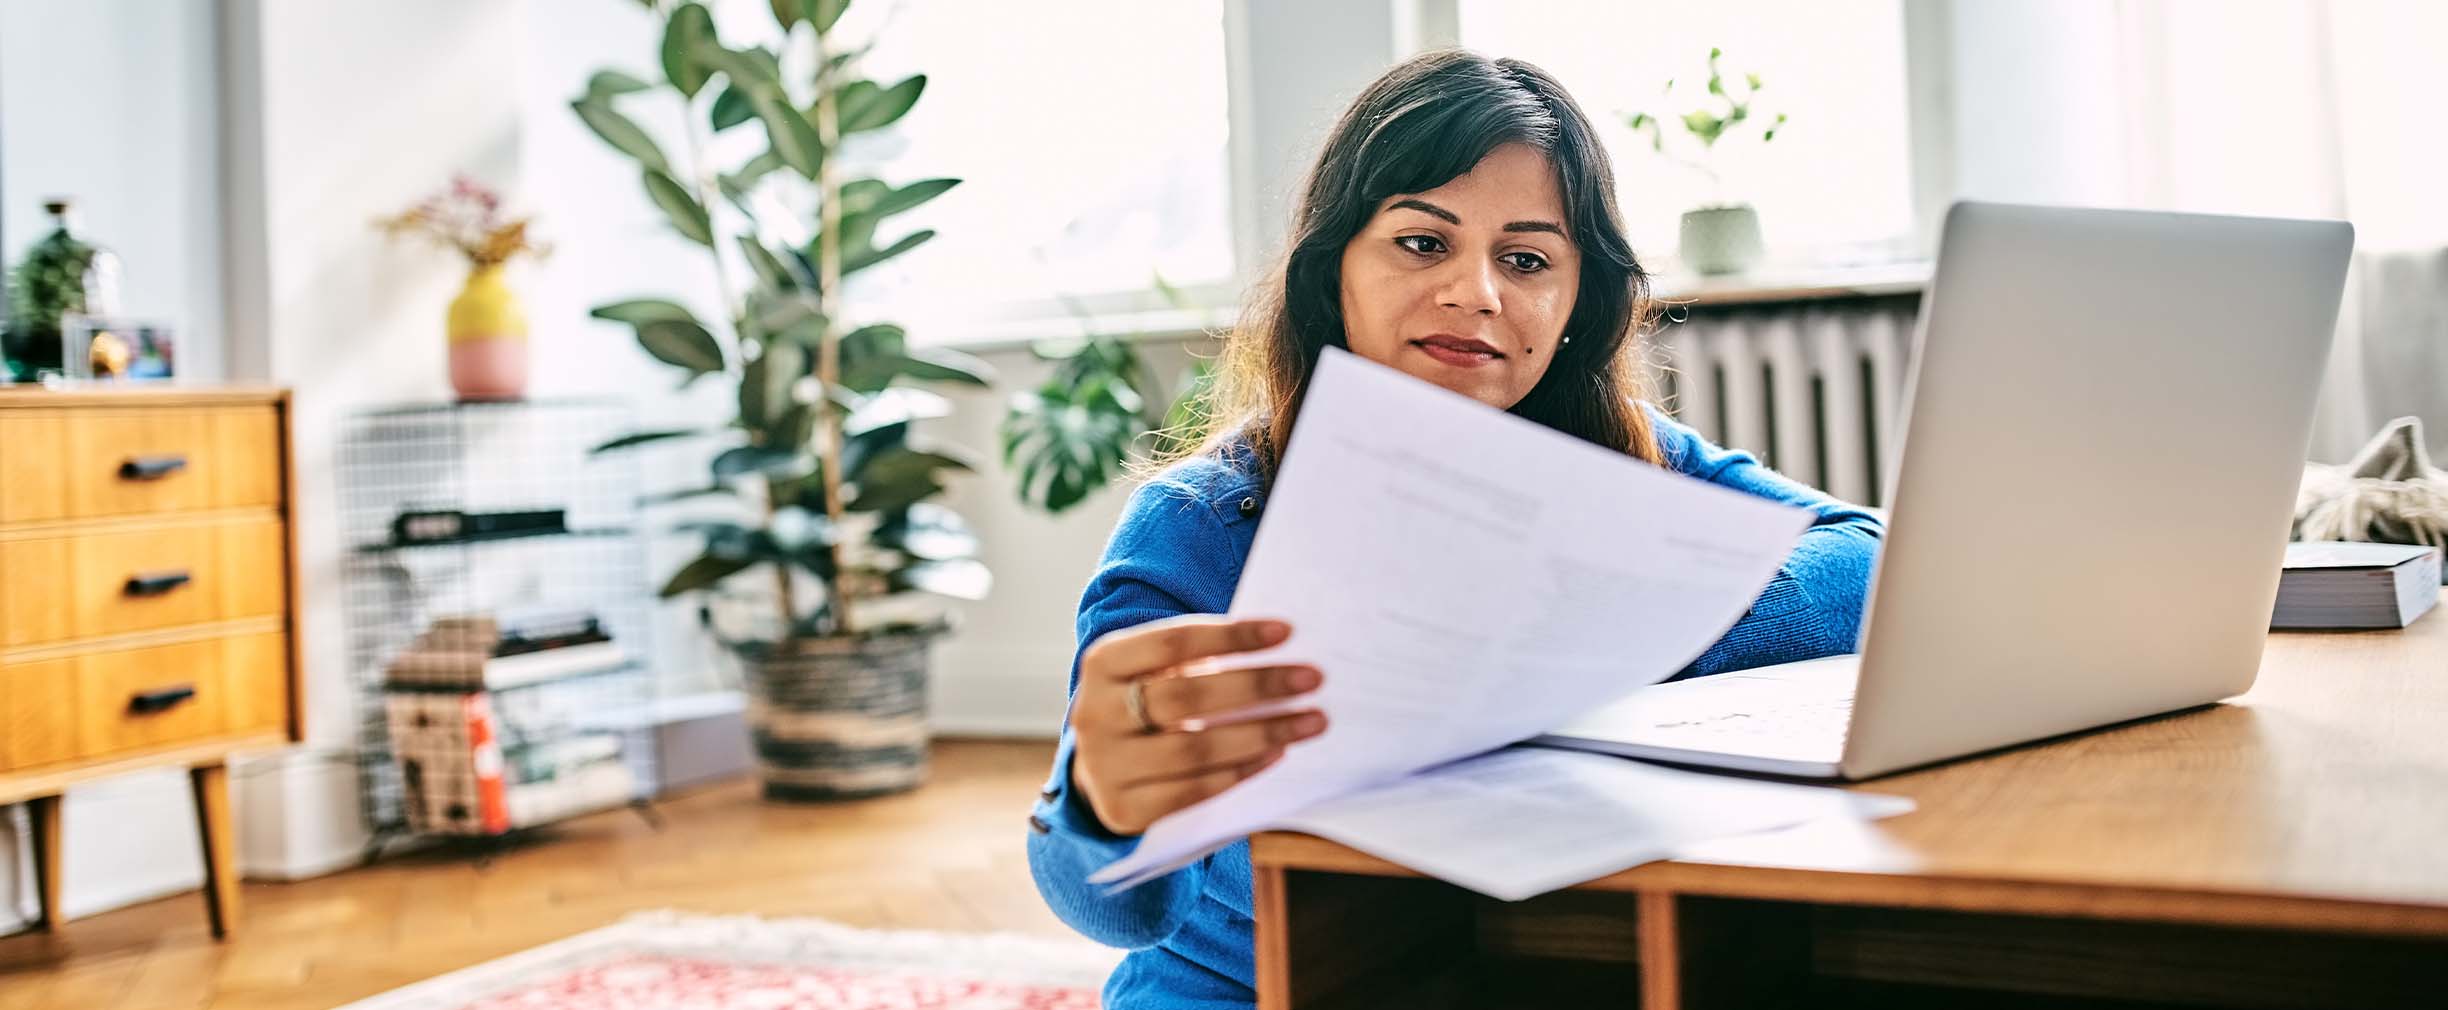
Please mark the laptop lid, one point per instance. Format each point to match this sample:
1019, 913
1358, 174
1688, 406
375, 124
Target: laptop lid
2103, 432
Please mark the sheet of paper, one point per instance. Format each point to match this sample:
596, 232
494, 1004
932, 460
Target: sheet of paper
1527, 820
1465, 579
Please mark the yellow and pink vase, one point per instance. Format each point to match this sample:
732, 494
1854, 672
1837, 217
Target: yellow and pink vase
488, 339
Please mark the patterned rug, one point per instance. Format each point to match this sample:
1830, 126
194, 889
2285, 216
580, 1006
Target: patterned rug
669, 961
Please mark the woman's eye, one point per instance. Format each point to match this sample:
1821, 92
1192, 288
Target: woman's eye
1528, 263
1424, 245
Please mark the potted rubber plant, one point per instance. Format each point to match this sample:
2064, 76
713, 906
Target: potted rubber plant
833, 489
1721, 236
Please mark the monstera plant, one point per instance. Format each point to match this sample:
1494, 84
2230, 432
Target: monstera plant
834, 487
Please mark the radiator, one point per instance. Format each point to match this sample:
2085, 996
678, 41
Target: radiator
1811, 388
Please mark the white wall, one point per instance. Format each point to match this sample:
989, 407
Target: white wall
114, 102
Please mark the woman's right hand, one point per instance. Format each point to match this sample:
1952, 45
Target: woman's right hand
1133, 772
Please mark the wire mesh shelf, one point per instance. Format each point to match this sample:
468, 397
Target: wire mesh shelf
494, 459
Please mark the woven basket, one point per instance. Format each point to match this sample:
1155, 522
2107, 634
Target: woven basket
841, 718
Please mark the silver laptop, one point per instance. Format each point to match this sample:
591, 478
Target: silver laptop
2106, 421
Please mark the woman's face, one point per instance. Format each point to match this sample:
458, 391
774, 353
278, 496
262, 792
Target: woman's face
1467, 285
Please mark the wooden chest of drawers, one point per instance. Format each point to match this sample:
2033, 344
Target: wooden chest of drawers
147, 594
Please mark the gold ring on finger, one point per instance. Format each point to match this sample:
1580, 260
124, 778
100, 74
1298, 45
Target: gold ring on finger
1135, 697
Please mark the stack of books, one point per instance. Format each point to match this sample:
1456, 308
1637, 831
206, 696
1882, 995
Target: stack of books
473, 763
2356, 585
463, 773
477, 653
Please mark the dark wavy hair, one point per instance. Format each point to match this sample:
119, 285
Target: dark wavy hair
1425, 122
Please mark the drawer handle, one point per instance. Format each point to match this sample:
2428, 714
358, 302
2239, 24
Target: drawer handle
157, 583
151, 467
149, 702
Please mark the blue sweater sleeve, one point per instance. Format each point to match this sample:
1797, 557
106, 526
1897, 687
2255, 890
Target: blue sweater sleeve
1812, 607
1166, 557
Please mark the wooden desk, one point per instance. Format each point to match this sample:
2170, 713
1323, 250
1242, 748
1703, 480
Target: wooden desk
2287, 848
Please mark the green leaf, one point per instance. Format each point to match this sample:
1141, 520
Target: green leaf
794, 138
705, 571
789, 12
869, 197
687, 215
898, 478
943, 364
681, 342
643, 310
643, 437
866, 106
826, 13
748, 459
731, 541
618, 131
732, 108
668, 497
1753, 80
959, 578
785, 315
764, 391
869, 257
690, 31
769, 269
871, 443
607, 83
868, 357
738, 185
752, 71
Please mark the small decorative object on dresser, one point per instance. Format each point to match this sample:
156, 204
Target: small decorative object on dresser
1723, 236
113, 349
61, 274
488, 329
146, 601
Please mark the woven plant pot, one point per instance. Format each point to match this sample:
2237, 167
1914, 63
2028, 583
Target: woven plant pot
841, 718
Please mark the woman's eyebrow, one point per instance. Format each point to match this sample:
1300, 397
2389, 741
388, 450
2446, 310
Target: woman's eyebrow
1449, 217
1427, 208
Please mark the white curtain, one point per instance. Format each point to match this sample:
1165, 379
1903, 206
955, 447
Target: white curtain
2327, 108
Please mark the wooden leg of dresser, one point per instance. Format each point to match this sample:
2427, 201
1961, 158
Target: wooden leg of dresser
46, 814
211, 784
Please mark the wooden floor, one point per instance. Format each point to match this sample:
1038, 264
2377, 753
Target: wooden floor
949, 856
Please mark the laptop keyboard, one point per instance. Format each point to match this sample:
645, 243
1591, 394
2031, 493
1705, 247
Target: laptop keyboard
1809, 719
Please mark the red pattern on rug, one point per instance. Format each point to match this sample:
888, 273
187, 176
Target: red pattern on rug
656, 982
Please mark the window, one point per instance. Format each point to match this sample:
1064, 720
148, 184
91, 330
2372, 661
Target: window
1836, 184
1091, 137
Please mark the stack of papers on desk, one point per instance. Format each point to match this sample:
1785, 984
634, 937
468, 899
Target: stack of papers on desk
1468, 579
1527, 820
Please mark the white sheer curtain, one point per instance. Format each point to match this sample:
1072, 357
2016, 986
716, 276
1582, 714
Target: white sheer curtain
2313, 108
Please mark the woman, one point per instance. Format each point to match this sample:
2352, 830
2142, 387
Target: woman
1459, 226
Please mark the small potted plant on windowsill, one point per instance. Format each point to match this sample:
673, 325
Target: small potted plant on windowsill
1722, 236
833, 484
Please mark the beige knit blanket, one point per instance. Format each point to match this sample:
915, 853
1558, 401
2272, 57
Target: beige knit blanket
2389, 493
